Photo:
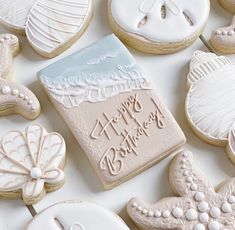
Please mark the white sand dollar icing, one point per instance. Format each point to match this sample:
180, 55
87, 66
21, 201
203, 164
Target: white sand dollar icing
161, 20
71, 215
210, 105
50, 25
31, 162
204, 209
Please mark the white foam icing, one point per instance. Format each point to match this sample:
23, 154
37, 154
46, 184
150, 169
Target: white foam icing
180, 19
77, 215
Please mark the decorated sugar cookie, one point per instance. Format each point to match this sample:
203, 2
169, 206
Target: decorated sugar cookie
14, 97
51, 26
228, 5
72, 215
31, 163
112, 110
210, 108
223, 39
158, 26
196, 206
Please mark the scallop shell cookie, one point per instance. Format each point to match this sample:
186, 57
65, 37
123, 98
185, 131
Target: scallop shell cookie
14, 97
196, 206
229, 5
74, 215
31, 163
152, 26
223, 39
51, 26
210, 106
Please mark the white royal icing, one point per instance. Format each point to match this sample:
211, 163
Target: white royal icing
203, 209
71, 215
161, 20
30, 159
48, 24
210, 105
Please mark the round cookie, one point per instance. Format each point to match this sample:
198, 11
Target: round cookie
195, 206
31, 164
71, 215
158, 27
223, 39
210, 105
229, 5
50, 26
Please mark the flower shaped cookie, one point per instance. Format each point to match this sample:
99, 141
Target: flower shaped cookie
31, 163
197, 205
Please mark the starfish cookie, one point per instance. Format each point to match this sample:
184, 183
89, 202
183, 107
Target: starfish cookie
14, 97
197, 206
229, 5
223, 39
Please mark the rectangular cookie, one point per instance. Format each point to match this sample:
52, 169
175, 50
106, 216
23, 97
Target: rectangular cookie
112, 110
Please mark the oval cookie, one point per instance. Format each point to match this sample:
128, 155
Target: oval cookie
31, 163
210, 106
71, 215
158, 27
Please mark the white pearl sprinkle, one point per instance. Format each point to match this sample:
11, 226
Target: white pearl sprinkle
224, 32
186, 173
185, 154
218, 32
183, 160
166, 214
231, 33
139, 208
193, 187
199, 227
30, 102
33, 107
134, 205
1, 40
21, 95
6, 89
157, 214
199, 196
213, 225
189, 179
203, 206
183, 167
226, 207
204, 218
191, 214
150, 213
231, 199
36, 173
26, 98
144, 211
15, 92
177, 212
6, 37
215, 212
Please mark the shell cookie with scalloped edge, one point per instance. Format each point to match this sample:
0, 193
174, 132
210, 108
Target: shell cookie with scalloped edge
51, 26
158, 26
31, 164
14, 97
229, 5
75, 215
196, 206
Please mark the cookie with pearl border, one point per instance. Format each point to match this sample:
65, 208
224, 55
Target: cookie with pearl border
197, 205
223, 39
31, 164
14, 97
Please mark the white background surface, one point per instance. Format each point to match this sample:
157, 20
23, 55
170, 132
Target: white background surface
169, 76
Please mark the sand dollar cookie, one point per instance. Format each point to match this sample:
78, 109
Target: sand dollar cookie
14, 98
196, 206
210, 106
158, 26
51, 26
72, 215
223, 39
31, 163
228, 5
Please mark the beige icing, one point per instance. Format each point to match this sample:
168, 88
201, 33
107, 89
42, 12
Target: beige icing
120, 135
14, 98
197, 205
